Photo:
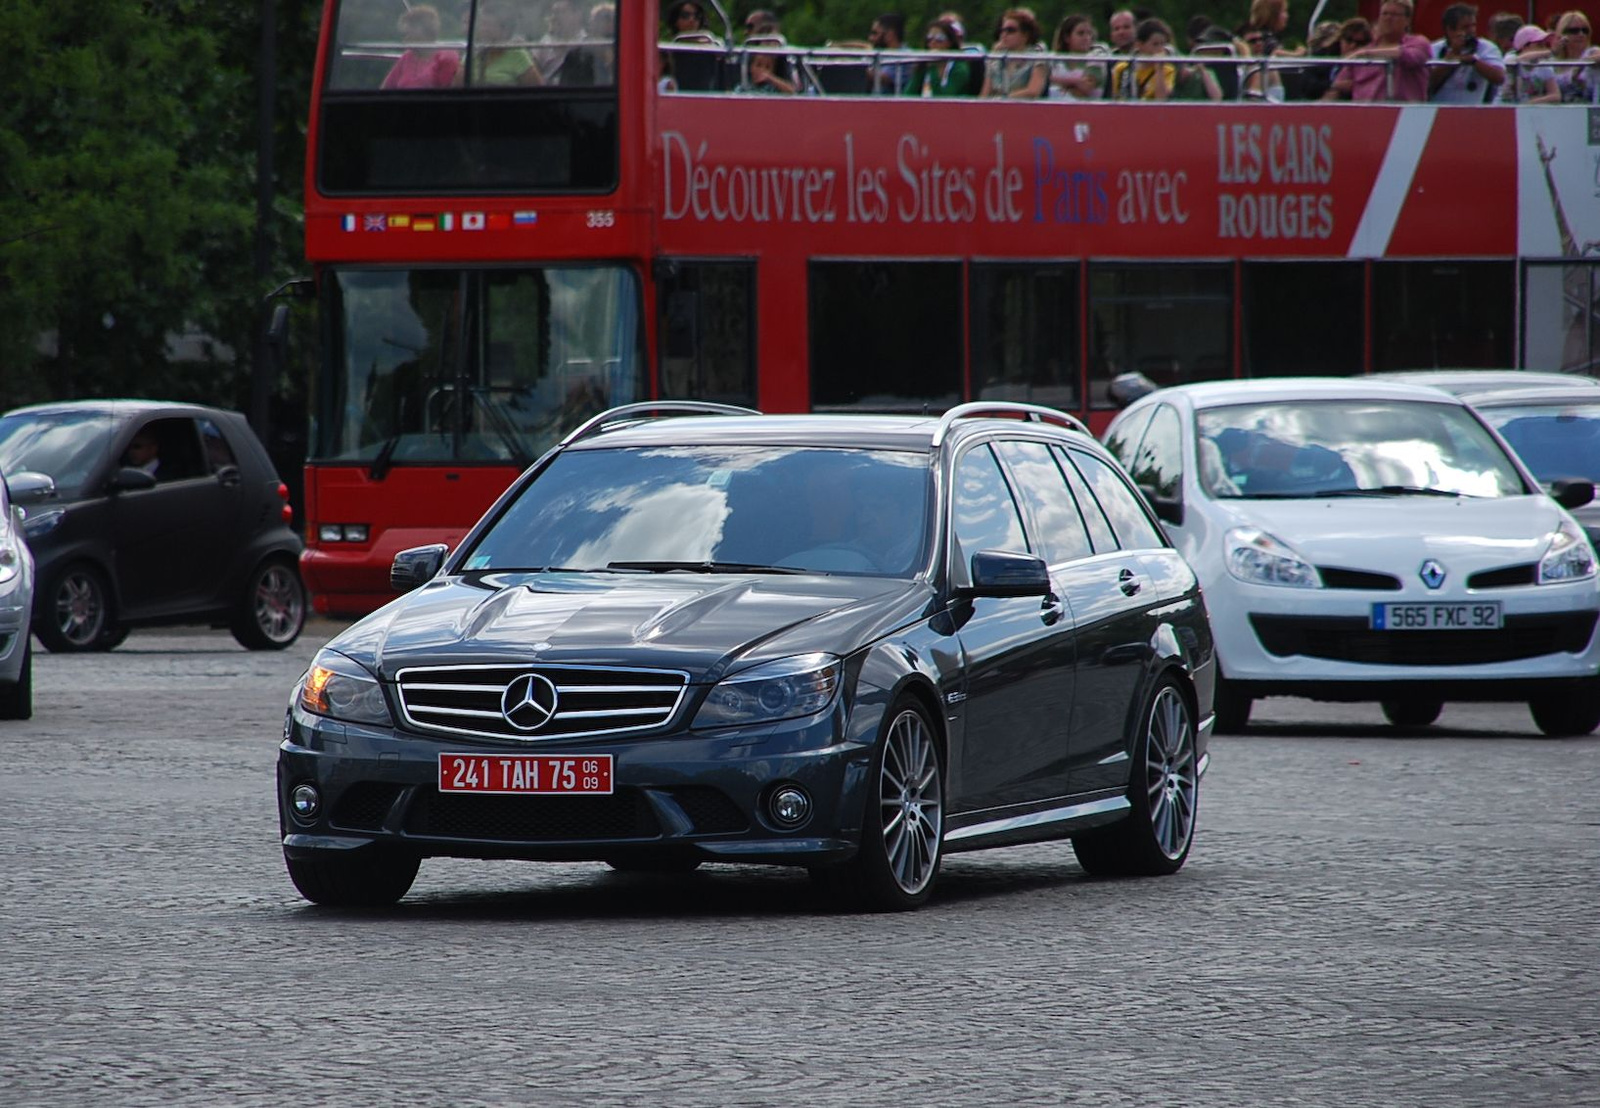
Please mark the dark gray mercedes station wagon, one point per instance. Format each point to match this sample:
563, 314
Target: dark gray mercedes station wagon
693, 633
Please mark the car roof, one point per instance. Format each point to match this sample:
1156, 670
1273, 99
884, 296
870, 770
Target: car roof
1256, 390
1506, 398
841, 430
121, 407
1476, 380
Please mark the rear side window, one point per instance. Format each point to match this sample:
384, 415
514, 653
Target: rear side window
1157, 466
1058, 526
1122, 506
1100, 533
984, 515
219, 455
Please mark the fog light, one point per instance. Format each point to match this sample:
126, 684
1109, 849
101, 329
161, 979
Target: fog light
790, 806
304, 802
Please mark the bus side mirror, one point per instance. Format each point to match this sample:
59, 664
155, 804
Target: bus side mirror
417, 566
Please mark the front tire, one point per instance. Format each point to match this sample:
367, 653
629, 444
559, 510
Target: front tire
273, 609
16, 697
902, 834
1155, 837
74, 612
363, 879
1567, 714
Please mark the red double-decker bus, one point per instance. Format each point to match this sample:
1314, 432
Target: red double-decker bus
497, 261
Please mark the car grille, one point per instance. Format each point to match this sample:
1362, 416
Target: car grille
625, 814
1505, 577
364, 806
1335, 578
710, 810
1350, 639
467, 700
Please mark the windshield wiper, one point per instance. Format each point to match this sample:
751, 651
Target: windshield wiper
380, 464
701, 567
1392, 490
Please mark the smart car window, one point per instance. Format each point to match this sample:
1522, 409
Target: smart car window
984, 515
1354, 448
66, 446
1058, 526
717, 508
219, 455
1122, 506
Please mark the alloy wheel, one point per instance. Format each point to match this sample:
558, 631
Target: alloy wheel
1170, 779
910, 801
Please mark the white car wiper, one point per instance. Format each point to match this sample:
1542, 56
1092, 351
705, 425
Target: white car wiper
1391, 490
701, 567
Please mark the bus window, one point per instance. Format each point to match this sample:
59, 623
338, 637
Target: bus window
1302, 318
1171, 322
885, 336
1562, 331
705, 318
1428, 315
1025, 333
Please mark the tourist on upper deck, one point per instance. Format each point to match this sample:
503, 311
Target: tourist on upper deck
1147, 75
1120, 31
951, 75
1529, 77
497, 57
1325, 42
761, 75
564, 54
602, 30
686, 20
1355, 34
422, 65
1478, 70
1503, 28
1406, 53
1076, 80
1574, 43
968, 46
763, 23
1013, 75
892, 78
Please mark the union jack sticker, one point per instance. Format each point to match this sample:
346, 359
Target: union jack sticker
370, 222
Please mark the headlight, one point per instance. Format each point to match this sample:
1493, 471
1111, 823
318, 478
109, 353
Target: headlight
1257, 557
1570, 557
10, 562
785, 689
42, 523
338, 688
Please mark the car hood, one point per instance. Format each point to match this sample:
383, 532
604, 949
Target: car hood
1395, 534
704, 624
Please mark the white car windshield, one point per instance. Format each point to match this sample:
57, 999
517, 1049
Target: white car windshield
1310, 449
1554, 440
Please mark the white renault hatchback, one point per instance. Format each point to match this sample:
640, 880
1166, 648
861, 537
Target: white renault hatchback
1366, 540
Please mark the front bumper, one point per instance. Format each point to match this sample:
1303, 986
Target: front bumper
685, 795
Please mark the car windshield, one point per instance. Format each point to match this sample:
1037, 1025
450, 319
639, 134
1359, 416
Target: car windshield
717, 509
64, 445
1553, 440
1303, 449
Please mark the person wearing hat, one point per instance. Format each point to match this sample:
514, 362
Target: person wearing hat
1529, 81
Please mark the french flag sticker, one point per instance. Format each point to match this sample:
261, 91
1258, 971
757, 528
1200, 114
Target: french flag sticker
348, 223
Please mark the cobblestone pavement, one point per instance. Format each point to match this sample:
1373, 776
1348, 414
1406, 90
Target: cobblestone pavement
1368, 918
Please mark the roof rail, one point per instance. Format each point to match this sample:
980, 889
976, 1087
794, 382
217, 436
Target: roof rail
636, 413
1005, 409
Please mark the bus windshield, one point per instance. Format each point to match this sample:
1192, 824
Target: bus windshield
458, 366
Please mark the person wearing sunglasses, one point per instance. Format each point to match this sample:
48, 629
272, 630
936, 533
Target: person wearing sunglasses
1574, 44
1530, 79
1393, 43
1011, 74
951, 75
1467, 69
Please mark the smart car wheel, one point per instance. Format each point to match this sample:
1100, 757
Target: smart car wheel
1164, 791
1412, 713
1570, 712
74, 612
353, 879
273, 609
16, 697
903, 832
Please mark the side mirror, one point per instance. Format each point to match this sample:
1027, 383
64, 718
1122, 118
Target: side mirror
1002, 573
417, 566
129, 479
1168, 509
1125, 388
28, 487
1572, 492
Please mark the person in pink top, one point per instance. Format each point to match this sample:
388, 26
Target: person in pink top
1393, 42
423, 65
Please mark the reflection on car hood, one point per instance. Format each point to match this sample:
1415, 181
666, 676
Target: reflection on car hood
700, 623
1392, 533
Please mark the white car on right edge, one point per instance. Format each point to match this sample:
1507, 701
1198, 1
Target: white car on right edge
1360, 540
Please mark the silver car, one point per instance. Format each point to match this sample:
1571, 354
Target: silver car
16, 608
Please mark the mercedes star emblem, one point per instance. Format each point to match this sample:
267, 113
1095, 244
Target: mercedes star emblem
529, 702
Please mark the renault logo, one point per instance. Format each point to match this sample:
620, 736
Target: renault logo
1432, 574
529, 702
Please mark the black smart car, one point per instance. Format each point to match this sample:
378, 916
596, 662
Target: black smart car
141, 512
848, 643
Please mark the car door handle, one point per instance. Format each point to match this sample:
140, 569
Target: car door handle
1129, 582
1051, 611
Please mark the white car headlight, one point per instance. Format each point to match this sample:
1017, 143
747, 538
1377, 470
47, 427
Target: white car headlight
339, 688
1570, 557
1255, 556
10, 561
785, 689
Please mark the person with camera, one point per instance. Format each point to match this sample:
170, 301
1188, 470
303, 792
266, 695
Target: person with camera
1467, 69
1404, 74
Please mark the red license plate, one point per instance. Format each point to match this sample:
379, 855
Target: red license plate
524, 773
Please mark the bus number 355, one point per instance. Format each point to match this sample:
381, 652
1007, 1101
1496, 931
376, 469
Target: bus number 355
602, 218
